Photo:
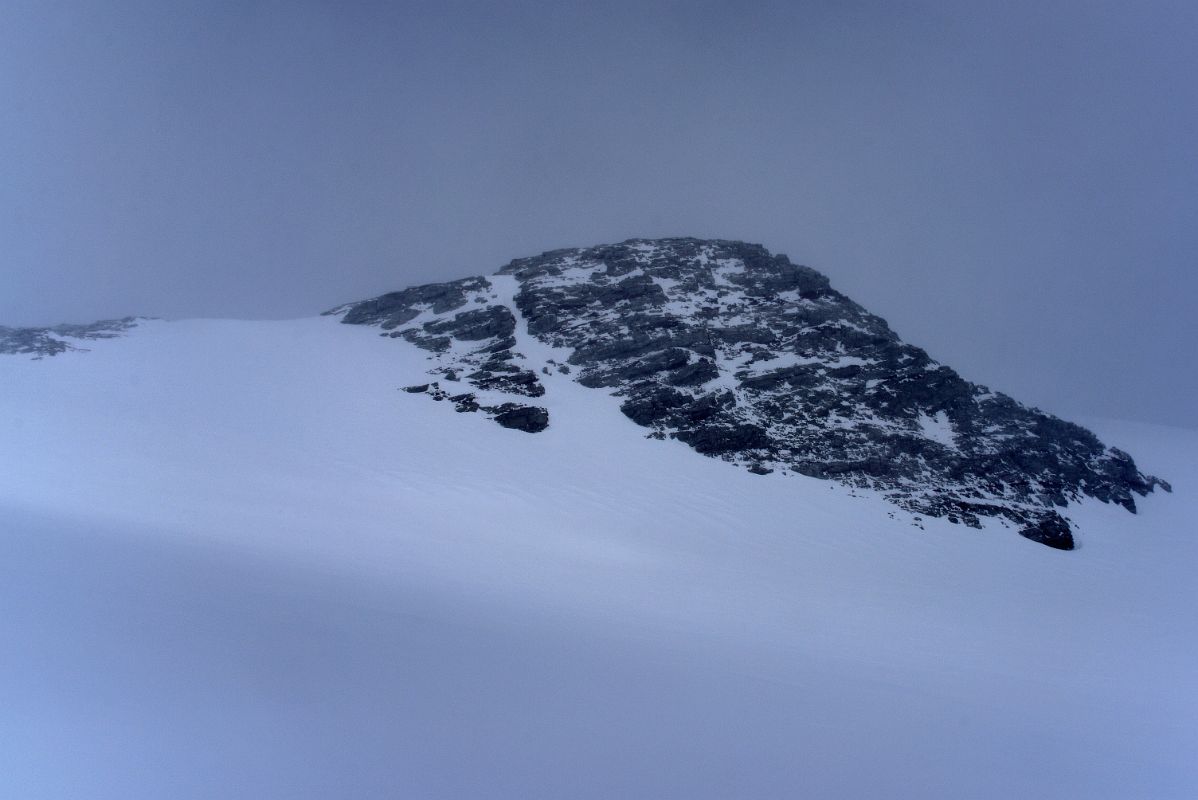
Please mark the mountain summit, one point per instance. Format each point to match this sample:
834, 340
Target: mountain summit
743, 356
752, 359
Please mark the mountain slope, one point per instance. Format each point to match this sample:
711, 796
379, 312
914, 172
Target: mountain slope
747, 357
238, 562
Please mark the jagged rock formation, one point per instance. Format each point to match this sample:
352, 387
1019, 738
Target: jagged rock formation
474, 345
750, 358
42, 342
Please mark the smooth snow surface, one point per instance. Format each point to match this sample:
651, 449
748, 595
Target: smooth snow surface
237, 562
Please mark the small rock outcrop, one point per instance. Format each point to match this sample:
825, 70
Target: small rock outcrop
42, 342
530, 419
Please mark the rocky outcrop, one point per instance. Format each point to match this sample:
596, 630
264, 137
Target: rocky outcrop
530, 419
1050, 529
42, 342
459, 322
750, 358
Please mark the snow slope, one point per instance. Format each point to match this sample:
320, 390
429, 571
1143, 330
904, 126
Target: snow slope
237, 562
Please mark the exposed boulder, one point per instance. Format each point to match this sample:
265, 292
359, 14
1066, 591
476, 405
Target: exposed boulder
1051, 530
531, 419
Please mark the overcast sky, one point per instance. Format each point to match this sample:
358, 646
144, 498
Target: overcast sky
1012, 185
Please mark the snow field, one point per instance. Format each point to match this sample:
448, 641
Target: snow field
239, 562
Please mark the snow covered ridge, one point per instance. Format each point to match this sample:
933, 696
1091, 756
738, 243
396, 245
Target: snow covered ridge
42, 342
747, 357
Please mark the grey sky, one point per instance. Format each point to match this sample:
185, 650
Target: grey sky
1012, 185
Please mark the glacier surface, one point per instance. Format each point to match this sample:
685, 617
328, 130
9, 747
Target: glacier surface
237, 561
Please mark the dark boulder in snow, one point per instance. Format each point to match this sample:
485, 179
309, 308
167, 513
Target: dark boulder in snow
531, 419
1051, 530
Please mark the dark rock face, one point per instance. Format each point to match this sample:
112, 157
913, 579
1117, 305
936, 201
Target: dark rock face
755, 360
1051, 530
399, 308
42, 342
461, 324
530, 419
